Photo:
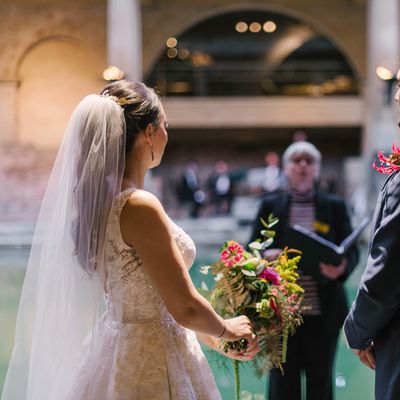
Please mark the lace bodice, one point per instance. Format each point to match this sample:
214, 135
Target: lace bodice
131, 295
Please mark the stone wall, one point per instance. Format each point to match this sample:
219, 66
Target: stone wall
24, 172
52, 54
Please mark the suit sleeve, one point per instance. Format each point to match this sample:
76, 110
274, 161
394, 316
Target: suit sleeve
378, 297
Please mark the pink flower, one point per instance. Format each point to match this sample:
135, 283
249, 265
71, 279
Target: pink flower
273, 305
269, 274
388, 164
293, 297
231, 254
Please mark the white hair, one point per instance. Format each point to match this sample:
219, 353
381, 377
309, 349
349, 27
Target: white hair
304, 148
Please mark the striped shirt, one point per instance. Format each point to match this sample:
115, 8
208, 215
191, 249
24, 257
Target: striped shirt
302, 212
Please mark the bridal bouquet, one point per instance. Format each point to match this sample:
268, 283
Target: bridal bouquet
265, 291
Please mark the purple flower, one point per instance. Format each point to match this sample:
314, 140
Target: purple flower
269, 274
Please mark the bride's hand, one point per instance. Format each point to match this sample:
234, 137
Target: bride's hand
245, 355
238, 328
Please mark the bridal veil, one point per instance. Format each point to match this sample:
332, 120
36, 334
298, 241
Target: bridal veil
62, 295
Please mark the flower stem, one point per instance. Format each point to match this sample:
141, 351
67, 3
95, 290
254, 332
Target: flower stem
237, 379
285, 337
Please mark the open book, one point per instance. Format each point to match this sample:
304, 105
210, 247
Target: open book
315, 248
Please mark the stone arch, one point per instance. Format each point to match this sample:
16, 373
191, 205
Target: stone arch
54, 74
200, 16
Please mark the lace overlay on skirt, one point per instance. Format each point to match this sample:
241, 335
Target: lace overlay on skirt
141, 352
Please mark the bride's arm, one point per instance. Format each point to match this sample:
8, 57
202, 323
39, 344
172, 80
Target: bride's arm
146, 227
214, 344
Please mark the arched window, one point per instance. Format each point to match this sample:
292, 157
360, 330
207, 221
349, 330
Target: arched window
54, 75
252, 53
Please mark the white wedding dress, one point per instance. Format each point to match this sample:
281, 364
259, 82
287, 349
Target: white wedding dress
142, 353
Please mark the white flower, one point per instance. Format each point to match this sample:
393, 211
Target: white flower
218, 276
204, 269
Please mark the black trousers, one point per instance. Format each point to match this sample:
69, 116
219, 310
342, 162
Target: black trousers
311, 351
387, 354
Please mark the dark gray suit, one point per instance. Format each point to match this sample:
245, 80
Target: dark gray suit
375, 313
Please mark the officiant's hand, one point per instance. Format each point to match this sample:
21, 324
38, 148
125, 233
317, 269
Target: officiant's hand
367, 356
333, 271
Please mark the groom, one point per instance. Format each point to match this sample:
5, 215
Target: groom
372, 327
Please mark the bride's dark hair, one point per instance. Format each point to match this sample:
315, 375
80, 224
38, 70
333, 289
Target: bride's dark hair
141, 107
104, 154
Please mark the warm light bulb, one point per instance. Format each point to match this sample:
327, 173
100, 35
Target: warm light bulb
113, 73
269, 26
384, 73
172, 53
241, 27
183, 54
316, 91
171, 42
255, 27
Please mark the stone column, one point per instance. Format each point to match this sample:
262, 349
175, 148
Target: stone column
383, 49
8, 111
124, 37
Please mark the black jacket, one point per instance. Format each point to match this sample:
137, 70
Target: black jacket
375, 313
378, 298
330, 210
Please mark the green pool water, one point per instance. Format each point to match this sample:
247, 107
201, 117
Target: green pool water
352, 380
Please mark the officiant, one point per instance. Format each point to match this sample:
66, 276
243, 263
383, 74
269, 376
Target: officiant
312, 349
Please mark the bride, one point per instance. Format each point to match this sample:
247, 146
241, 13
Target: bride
108, 310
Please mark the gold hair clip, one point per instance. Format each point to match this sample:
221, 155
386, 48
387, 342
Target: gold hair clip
122, 101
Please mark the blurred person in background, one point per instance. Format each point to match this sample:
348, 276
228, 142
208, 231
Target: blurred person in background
189, 191
267, 179
312, 349
221, 188
299, 136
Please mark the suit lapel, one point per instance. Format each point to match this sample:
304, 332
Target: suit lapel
390, 177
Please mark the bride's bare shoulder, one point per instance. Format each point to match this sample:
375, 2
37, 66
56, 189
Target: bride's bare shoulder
144, 203
142, 198
143, 218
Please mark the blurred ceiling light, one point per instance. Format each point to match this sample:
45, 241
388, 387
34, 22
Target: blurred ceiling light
183, 54
113, 73
201, 59
255, 27
316, 91
269, 26
179, 87
329, 86
171, 42
268, 84
241, 27
343, 82
172, 52
384, 73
